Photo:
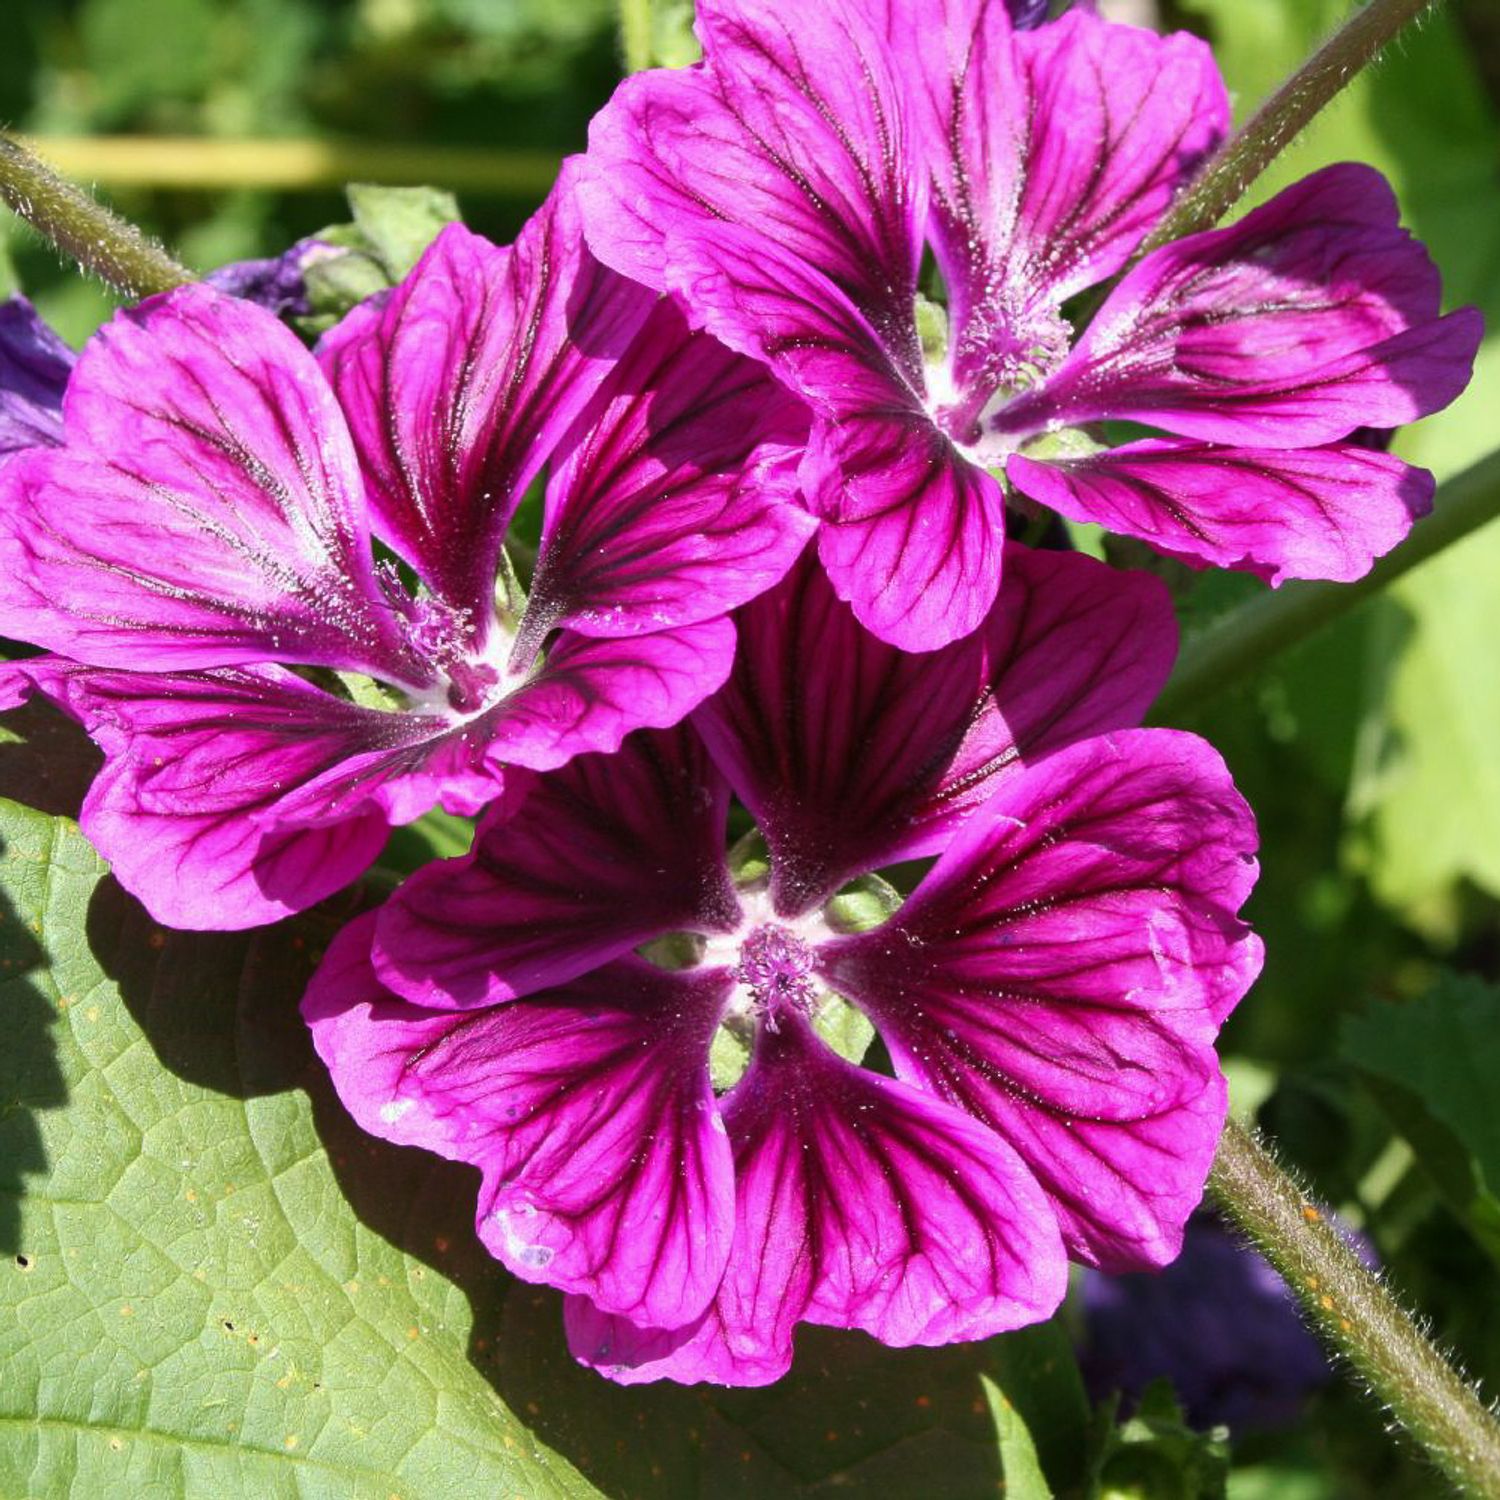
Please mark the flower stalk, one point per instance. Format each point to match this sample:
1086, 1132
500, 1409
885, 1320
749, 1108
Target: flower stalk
1244, 640
1354, 1312
83, 229
636, 42
1283, 116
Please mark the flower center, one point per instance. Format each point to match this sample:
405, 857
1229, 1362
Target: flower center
446, 638
1002, 354
775, 967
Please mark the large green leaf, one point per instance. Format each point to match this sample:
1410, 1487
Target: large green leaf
202, 1295
215, 1285
1434, 1063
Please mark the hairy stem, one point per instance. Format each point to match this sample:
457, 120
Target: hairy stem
1352, 1309
636, 41
84, 229
1244, 640
1247, 153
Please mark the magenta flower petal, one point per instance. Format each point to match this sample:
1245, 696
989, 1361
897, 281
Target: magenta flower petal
859, 1203
568, 871
912, 531
606, 1170
234, 797
853, 755
1053, 154
793, 126
1313, 315
591, 692
677, 499
462, 383
220, 871
1122, 1192
34, 368
912, 534
15, 685
1076, 947
1295, 513
207, 511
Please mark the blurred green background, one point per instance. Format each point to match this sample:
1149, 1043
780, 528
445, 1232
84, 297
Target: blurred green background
1372, 754
447, 91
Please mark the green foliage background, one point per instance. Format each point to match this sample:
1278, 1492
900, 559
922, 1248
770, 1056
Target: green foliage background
188, 1304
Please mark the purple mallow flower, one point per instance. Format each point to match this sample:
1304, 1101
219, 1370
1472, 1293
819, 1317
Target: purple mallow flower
650, 1051
277, 591
1218, 1323
784, 189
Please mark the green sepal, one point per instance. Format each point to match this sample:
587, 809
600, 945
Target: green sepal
399, 223
392, 227
673, 950
932, 329
728, 1056
847, 1030
435, 835
510, 593
750, 860
368, 693
862, 904
335, 283
1065, 443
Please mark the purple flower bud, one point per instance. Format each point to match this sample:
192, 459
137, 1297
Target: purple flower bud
1218, 1323
275, 283
34, 368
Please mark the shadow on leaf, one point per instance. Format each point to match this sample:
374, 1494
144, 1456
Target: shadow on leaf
853, 1418
30, 1078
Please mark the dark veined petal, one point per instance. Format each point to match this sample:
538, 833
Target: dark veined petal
676, 499
588, 1111
912, 530
860, 1203
1122, 1191
568, 871
591, 692
1290, 513
1029, 12
34, 368
852, 754
792, 127
1067, 963
1313, 315
460, 385
913, 533
206, 511
232, 798
1053, 153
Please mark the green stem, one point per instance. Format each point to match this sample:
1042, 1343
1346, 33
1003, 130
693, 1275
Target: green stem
636, 38
1284, 115
1244, 640
84, 229
1352, 1309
